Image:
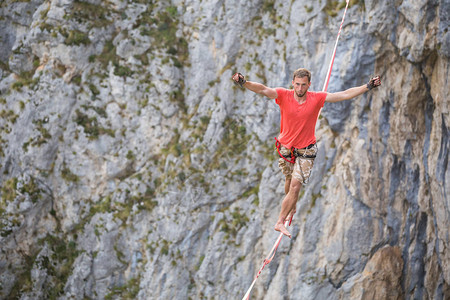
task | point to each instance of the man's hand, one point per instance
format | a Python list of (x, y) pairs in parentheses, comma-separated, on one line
[(374, 82), (239, 79)]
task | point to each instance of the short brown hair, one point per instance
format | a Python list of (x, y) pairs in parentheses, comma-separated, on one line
[(299, 73)]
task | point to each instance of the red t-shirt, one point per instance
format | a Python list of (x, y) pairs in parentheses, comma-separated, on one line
[(298, 121)]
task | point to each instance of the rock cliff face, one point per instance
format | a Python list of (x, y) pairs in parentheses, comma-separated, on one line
[(132, 168)]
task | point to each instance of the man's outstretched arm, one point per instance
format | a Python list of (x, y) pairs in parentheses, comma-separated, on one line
[(353, 92), (255, 87)]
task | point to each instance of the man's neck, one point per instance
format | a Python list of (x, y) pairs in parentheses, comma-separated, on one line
[(300, 100)]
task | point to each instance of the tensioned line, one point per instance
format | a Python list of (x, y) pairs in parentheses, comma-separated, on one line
[(272, 252)]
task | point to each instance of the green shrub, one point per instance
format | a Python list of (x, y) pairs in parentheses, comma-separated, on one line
[(67, 174), (91, 127), (76, 37)]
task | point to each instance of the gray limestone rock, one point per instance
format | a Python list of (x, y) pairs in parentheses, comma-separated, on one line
[(131, 167)]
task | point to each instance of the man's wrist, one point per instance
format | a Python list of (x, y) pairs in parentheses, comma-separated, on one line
[(242, 80), (373, 82), (239, 79)]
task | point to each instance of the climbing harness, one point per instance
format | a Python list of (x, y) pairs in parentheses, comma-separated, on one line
[(294, 152), (325, 87)]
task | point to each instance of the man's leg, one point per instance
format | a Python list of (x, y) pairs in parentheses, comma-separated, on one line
[(288, 206), (287, 184)]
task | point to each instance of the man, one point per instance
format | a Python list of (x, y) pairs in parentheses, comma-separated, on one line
[(296, 143)]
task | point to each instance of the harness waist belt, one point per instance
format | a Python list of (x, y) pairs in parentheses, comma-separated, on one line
[(296, 153), (308, 147)]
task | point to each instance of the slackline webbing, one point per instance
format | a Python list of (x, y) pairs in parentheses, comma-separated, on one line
[(327, 80), (267, 260), (277, 242)]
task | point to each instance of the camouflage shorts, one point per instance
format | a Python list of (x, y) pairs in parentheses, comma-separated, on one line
[(301, 169)]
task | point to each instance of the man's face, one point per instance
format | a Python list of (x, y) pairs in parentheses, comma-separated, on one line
[(301, 86)]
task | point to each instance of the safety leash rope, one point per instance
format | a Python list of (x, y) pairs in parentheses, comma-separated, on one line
[(278, 145), (277, 242), (268, 259)]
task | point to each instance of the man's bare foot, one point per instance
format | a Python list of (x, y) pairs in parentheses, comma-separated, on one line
[(280, 227)]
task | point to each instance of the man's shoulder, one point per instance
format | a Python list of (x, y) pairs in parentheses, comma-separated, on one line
[(316, 94), (317, 97), (282, 94), (282, 91)]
